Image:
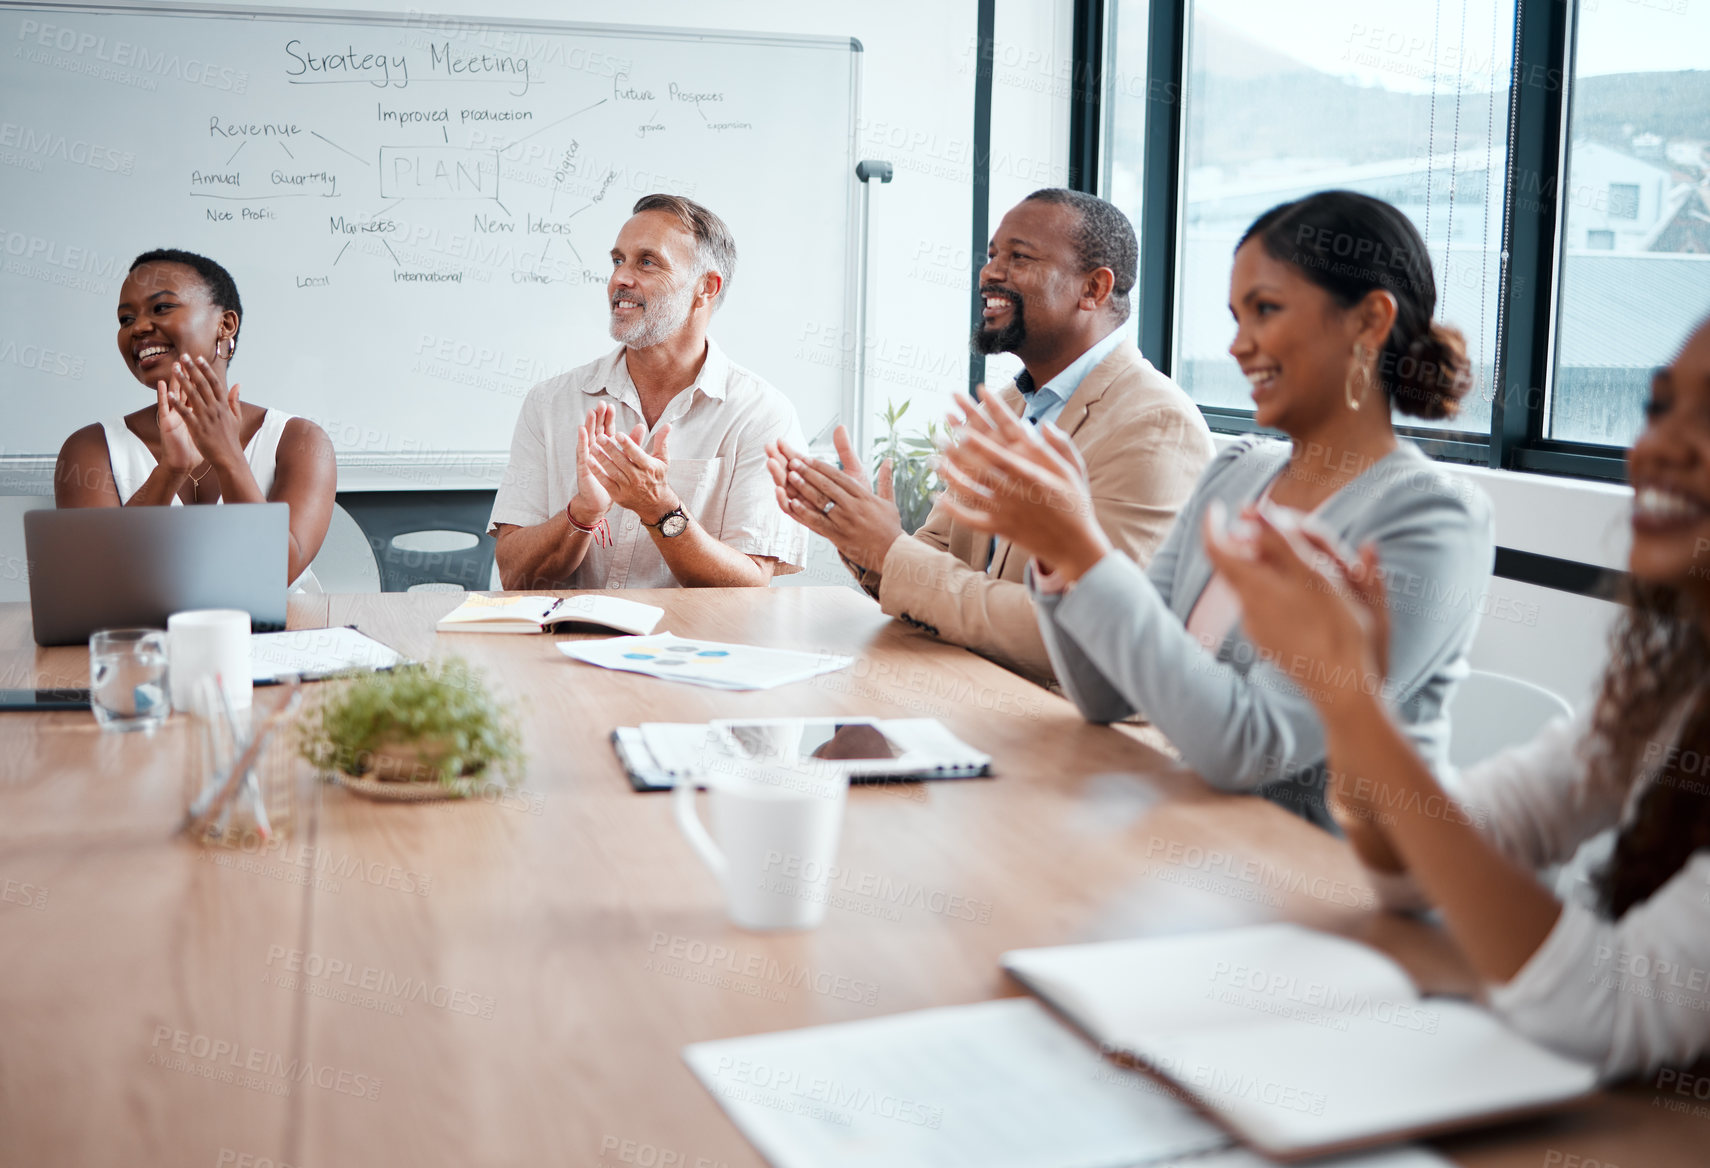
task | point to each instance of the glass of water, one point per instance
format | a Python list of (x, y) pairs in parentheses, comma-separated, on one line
[(127, 678)]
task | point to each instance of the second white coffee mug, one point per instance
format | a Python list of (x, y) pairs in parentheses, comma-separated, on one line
[(773, 840)]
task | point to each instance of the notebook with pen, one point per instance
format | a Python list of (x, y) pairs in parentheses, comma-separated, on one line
[(538, 614), (656, 755)]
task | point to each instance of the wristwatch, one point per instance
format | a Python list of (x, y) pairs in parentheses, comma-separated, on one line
[(671, 524)]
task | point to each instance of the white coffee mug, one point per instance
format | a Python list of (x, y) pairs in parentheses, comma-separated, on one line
[(209, 643), (773, 840)]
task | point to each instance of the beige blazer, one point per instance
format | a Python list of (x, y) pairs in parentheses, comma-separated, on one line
[(1145, 444)]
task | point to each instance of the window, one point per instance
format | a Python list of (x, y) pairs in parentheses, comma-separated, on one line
[(1404, 102), (1125, 94), (1554, 154), (1635, 262)]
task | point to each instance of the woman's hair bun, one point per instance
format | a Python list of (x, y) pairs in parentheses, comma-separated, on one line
[(1427, 375), (1352, 245)]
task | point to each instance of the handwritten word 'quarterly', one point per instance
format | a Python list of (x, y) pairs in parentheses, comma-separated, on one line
[(374, 68)]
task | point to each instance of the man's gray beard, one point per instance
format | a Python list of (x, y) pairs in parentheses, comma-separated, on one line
[(659, 321)]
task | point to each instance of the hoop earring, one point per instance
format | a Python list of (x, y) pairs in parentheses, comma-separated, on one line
[(1348, 393)]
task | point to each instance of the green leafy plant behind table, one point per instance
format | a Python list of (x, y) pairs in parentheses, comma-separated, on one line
[(914, 477), (418, 723)]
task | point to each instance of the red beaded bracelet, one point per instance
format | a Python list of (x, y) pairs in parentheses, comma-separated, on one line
[(600, 531)]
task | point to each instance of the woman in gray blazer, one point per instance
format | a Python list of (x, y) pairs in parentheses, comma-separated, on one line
[(1332, 297)]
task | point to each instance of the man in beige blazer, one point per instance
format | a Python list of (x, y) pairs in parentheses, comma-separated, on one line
[(1056, 288)]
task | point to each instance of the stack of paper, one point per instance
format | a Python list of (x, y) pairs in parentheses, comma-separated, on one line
[(315, 653), (992, 1085), (708, 663)]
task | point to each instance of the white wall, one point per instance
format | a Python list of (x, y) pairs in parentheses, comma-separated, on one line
[(1030, 117), (14, 569), (1555, 639)]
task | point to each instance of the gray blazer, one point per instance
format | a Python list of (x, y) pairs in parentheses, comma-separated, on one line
[(1119, 642)]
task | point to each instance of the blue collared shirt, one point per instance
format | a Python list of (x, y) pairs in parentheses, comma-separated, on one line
[(1046, 403)]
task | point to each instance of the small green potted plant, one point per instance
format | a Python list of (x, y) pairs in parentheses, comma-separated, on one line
[(915, 484), (431, 730)]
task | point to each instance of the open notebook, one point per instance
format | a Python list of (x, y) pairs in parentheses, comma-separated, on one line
[(537, 614), (1300, 1042), (990, 1085)]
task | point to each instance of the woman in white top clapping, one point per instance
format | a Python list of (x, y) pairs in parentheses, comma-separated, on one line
[(179, 318), (1617, 971)]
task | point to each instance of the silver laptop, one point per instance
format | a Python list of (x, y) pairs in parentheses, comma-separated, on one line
[(115, 567)]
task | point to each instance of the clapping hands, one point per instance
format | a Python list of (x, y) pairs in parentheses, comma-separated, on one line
[(199, 418), (859, 517), (1031, 488), (613, 467)]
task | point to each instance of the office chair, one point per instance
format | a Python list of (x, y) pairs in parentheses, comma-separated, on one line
[(1492, 711), (384, 516)]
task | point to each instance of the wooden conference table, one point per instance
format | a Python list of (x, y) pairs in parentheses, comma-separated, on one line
[(510, 981)]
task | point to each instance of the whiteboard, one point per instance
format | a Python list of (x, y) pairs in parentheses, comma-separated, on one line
[(418, 211)]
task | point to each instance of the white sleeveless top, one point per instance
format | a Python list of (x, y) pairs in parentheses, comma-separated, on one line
[(132, 464)]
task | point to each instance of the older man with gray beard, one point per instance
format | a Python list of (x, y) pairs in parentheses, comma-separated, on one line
[(595, 496)]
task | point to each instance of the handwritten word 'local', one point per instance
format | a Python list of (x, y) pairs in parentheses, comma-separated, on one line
[(382, 70)]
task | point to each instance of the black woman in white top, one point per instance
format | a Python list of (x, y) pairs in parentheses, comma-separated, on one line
[(1616, 970), (200, 442)]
